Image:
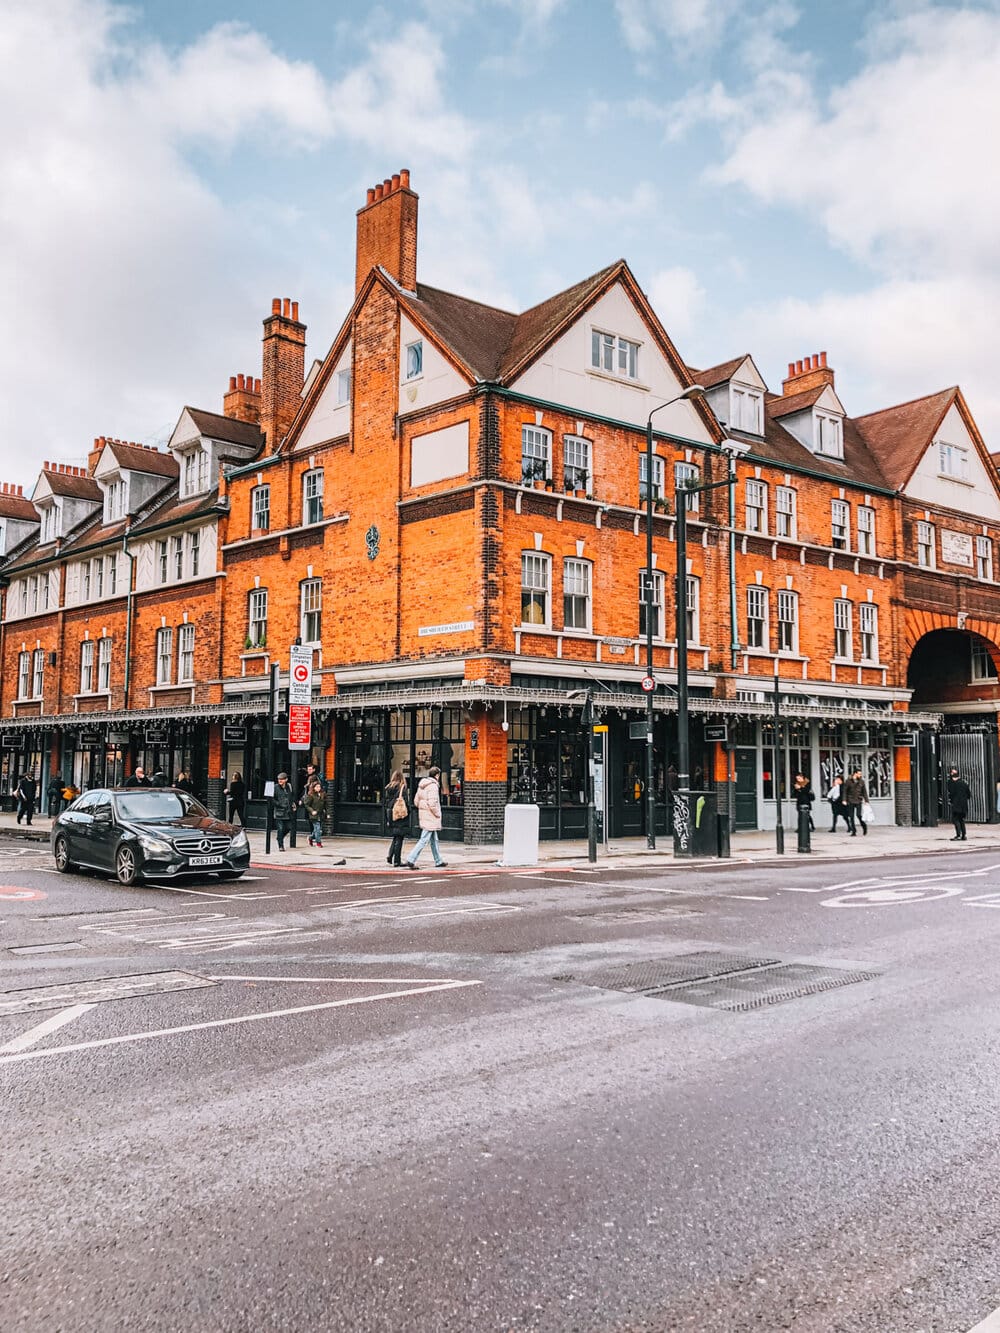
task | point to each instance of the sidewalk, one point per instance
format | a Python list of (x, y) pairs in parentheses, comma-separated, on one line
[(368, 854)]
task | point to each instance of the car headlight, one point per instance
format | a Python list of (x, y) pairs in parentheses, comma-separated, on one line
[(155, 846), (239, 842)]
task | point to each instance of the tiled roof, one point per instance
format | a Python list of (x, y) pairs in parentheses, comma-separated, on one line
[(794, 402), (143, 458), (859, 465), (219, 427), (899, 435), (72, 485), (536, 326), (708, 379), (17, 506), (173, 509)]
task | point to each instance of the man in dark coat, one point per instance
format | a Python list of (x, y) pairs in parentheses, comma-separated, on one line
[(26, 793), (854, 793), (959, 796), (285, 806), (138, 779)]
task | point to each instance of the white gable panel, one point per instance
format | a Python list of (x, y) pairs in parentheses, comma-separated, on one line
[(563, 373), (978, 495), (329, 420), (184, 432), (747, 373), (438, 380), (440, 454)]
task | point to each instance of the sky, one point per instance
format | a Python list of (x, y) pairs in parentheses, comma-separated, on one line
[(783, 178)]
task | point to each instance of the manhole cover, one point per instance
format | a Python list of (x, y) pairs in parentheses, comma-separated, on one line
[(651, 975), (743, 992)]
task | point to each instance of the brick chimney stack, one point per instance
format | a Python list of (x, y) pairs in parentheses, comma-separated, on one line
[(283, 370), (387, 232), (809, 373), (242, 402)]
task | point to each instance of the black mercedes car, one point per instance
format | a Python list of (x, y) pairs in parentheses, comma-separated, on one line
[(147, 833)]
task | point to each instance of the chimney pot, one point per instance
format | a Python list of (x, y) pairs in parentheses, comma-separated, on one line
[(288, 309), (276, 306), (256, 386), (241, 381), (371, 196), (404, 178), (378, 193), (798, 367), (232, 383), (791, 369), (395, 181), (295, 311), (822, 359)]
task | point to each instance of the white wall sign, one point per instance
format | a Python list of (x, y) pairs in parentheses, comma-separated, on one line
[(956, 547), (456, 627)]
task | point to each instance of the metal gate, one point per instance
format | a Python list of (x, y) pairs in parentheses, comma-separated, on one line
[(974, 754)]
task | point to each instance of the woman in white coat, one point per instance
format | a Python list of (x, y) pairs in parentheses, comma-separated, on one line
[(428, 803)]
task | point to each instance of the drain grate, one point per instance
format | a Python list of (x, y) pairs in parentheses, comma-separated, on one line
[(735, 983), (644, 977)]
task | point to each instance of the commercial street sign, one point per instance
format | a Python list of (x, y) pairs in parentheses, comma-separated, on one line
[(299, 726)]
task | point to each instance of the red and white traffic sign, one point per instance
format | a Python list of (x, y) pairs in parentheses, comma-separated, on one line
[(300, 674), (648, 684), (299, 726)]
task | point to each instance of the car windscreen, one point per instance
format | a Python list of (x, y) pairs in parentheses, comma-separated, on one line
[(150, 806)]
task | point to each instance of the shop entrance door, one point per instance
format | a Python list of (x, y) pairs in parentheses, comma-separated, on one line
[(745, 814)]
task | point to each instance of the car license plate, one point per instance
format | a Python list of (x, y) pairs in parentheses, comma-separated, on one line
[(205, 860)]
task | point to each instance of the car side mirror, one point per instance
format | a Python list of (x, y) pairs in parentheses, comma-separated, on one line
[(102, 816)]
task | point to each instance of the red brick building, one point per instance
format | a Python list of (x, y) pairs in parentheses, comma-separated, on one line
[(450, 508)]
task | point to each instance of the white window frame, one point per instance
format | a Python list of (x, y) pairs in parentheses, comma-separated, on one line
[(23, 675), (536, 583), (536, 454), (829, 435), (788, 621), (343, 387), (756, 506), (194, 551), (953, 461), (981, 664), (313, 486), (865, 530), (868, 631), (177, 554), (50, 523), (98, 564), (164, 655), (38, 673), (185, 654), (984, 559), (758, 613), (86, 580), (104, 648), (693, 609), (658, 471), (785, 512), (311, 610), (655, 583), (577, 583), (260, 508), (840, 518), (577, 463), (746, 409), (685, 472), (163, 560), (257, 617), (87, 666), (189, 473), (926, 545), (414, 359), (843, 630), (115, 500), (113, 574), (612, 354)]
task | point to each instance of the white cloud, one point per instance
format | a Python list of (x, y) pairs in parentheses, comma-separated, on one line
[(678, 299), (644, 23)]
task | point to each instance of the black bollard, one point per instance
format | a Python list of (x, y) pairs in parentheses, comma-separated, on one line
[(804, 844)]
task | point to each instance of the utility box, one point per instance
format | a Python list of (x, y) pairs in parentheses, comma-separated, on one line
[(696, 828), (520, 835)]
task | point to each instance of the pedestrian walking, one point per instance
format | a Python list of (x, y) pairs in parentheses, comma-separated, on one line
[(804, 797), (27, 792), (54, 792), (837, 808), (237, 793), (398, 805), (959, 796), (138, 779), (314, 803), (284, 804), (854, 796), (428, 803)]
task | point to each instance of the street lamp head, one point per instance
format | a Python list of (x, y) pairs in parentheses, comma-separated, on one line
[(736, 448), (693, 391)]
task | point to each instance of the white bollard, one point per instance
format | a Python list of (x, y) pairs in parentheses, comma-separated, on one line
[(520, 835)]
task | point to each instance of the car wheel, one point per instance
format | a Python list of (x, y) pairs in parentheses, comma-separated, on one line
[(127, 864), (230, 874), (61, 853)]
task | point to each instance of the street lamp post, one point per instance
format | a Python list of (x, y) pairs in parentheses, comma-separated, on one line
[(692, 391), (681, 495)]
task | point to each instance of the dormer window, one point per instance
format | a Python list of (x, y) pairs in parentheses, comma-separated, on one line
[(829, 435), (614, 355), (746, 409), (194, 472), (51, 525), (115, 500)]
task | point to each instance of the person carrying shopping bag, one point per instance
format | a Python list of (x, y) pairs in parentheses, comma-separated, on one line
[(428, 803), (397, 813)]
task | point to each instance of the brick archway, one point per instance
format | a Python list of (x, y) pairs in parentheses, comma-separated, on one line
[(918, 624)]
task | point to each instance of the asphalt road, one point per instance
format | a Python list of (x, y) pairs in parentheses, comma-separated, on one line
[(369, 1102)]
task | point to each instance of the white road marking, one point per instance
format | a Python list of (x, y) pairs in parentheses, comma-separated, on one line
[(202, 893), (991, 1324), (52, 1024), (456, 911), (740, 897), (894, 896), (340, 981), (785, 888), (231, 1022)]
